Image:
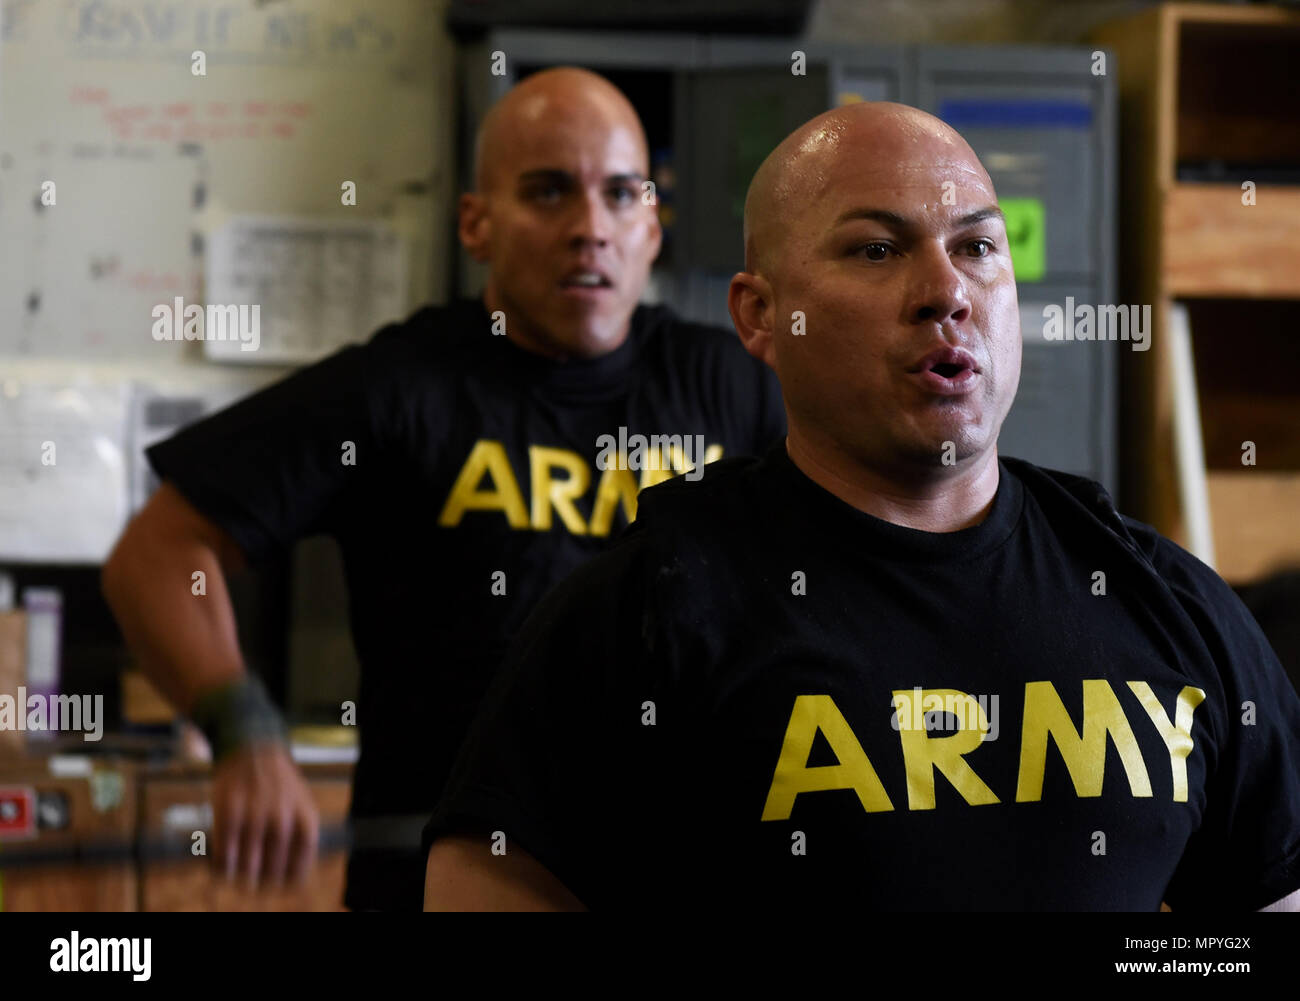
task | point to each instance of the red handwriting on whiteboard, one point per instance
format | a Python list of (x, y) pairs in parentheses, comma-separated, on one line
[(190, 121)]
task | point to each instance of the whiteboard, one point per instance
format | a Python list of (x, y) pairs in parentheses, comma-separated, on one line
[(149, 160)]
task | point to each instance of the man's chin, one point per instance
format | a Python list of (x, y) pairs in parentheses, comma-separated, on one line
[(944, 444), (582, 344), (595, 343), (591, 336), (960, 443)]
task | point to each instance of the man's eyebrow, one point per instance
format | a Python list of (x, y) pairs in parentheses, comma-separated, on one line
[(554, 174), (896, 221), (990, 212), (545, 174), (879, 215)]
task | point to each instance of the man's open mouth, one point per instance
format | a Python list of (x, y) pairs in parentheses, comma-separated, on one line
[(586, 279), (948, 362), (948, 371)]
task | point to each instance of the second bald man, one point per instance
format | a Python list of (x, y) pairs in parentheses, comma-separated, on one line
[(482, 476)]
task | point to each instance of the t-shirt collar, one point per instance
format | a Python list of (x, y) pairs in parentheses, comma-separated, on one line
[(585, 378), (857, 531)]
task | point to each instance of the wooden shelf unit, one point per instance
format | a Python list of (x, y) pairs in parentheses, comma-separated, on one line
[(1201, 83)]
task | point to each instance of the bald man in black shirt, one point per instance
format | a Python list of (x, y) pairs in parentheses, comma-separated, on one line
[(463, 461), (882, 666)]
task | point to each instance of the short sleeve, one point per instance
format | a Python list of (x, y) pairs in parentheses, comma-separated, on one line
[(272, 467), (557, 758), (1246, 854)]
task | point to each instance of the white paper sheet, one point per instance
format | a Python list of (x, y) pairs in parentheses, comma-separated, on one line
[(319, 284)]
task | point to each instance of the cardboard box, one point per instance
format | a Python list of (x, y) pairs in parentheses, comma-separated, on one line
[(13, 674)]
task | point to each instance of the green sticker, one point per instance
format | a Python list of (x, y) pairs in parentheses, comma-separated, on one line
[(1026, 222)]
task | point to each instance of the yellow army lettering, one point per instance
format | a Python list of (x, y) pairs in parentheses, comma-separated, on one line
[(924, 754), (552, 495)]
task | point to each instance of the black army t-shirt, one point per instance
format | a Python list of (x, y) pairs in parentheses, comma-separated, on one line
[(460, 476), (762, 697)]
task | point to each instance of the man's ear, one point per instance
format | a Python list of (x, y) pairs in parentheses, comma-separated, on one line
[(753, 312), (474, 226)]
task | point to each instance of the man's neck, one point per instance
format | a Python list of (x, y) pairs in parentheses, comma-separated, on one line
[(516, 332), (929, 503), (527, 339)]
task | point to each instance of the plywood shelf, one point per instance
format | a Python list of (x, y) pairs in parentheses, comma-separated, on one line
[(1216, 246), (1256, 519)]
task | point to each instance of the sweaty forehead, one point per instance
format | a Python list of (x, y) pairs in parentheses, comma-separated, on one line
[(903, 151), (914, 182)]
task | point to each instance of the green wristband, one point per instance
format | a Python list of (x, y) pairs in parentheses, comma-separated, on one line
[(238, 714)]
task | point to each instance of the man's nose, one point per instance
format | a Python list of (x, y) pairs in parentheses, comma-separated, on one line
[(939, 291), (592, 221)]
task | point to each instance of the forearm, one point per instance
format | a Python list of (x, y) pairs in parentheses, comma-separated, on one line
[(462, 874), (185, 643)]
